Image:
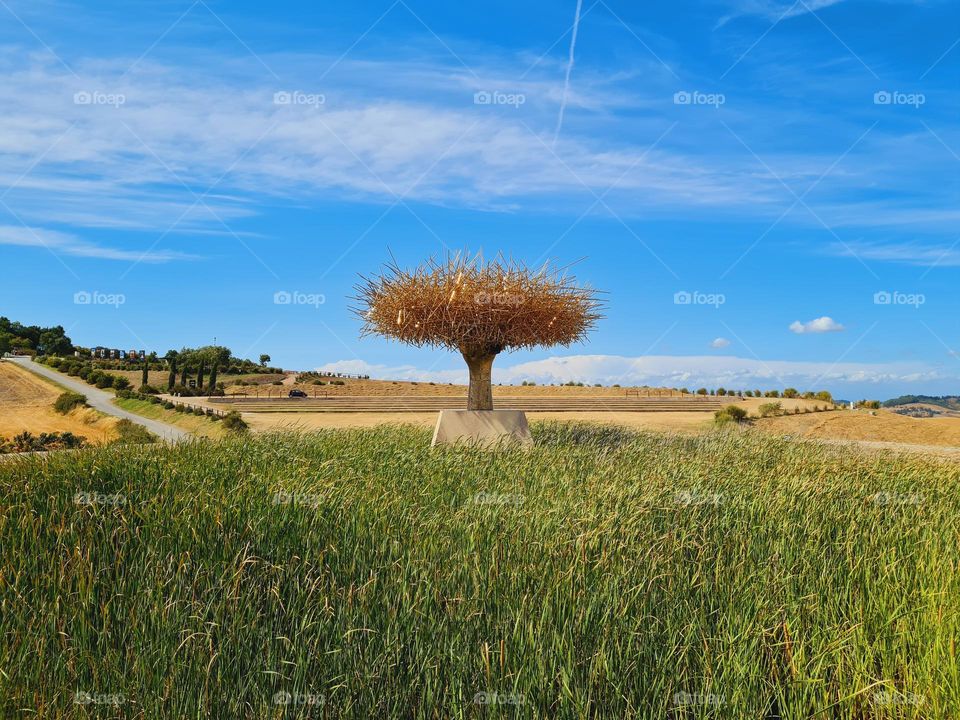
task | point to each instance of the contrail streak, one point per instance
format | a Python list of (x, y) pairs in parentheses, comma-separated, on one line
[(566, 80)]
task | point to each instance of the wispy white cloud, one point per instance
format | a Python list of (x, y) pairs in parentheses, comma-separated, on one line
[(177, 128), (68, 244), (398, 127), (142, 163), (569, 69), (720, 343), (903, 253), (776, 9), (823, 324), (779, 10)]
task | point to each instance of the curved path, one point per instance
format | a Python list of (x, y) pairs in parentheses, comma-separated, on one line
[(101, 400)]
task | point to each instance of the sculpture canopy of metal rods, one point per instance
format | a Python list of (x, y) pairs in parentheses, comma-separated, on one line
[(477, 308)]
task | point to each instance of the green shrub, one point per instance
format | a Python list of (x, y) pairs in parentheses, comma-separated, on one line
[(68, 401), (28, 442), (148, 390), (731, 413), (234, 422), (199, 411), (130, 433), (120, 383), (104, 381), (770, 409), (168, 405)]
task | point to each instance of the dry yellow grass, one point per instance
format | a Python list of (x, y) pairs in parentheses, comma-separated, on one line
[(26, 404), (885, 430), (392, 388), (684, 422), (885, 426)]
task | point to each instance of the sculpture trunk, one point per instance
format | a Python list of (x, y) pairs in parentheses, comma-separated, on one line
[(480, 396)]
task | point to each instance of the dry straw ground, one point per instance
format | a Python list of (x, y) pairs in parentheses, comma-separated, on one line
[(26, 403)]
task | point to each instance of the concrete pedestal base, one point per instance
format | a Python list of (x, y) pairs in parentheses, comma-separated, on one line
[(482, 427)]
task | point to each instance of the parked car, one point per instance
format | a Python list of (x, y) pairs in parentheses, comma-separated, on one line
[(297, 393)]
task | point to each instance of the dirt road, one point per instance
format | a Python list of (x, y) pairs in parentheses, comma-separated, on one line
[(101, 400)]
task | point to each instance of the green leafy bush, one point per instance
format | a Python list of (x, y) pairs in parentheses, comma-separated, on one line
[(730, 414), (68, 401), (234, 422), (770, 409), (130, 433), (28, 442)]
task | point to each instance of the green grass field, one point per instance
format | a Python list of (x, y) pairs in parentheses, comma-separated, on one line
[(361, 574)]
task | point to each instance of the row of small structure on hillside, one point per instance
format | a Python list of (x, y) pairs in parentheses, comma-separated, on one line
[(114, 354)]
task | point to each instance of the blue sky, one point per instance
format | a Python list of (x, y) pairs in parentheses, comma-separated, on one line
[(766, 190)]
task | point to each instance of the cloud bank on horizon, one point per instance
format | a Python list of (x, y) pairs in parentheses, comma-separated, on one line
[(673, 371)]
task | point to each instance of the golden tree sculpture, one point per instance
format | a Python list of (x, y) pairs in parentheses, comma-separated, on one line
[(477, 308)]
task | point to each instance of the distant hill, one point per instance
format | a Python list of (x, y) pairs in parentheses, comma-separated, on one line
[(950, 402)]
